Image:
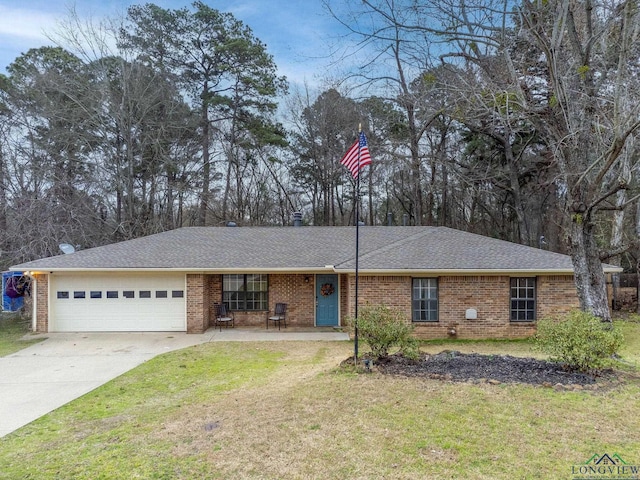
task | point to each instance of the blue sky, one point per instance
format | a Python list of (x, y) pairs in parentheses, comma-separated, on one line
[(297, 32)]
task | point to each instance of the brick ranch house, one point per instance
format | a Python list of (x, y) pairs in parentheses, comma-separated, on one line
[(443, 279)]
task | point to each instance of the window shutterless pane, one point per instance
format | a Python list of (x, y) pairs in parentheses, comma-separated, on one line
[(144, 294), (129, 294), (177, 294), (425, 300), (233, 282), (523, 293), (245, 292), (112, 294), (256, 283), (95, 294), (161, 294), (78, 294), (63, 295)]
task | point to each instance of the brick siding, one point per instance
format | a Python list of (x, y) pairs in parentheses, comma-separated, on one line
[(489, 295), (283, 288), (556, 294), (198, 300), (42, 302)]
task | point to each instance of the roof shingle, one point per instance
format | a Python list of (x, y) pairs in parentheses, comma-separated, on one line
[(434, 249)]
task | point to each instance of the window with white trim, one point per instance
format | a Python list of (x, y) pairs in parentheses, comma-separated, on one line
[(523, 299), (245, 291), (424, 300)]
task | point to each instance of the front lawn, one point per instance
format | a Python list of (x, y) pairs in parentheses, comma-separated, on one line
[(285, 410), (13, 327)]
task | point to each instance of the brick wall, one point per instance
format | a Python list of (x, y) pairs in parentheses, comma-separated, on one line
[(42, 302), (197, 303), (345, 297), (393, 291), (488, 295), (283, 288), (298, 294), (557, 294)]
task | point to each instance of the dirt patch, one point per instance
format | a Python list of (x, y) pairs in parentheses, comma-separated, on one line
[(473, 367)]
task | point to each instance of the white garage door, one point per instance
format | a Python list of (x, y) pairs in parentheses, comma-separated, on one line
[(117, 303)]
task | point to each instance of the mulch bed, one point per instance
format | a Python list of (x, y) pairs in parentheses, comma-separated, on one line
[(495, 369)]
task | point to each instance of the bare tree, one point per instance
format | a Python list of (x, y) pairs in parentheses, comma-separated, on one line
[(326, 129), (569, 68), (394, 64)]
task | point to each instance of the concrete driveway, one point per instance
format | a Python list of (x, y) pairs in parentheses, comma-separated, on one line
[(65, 366)]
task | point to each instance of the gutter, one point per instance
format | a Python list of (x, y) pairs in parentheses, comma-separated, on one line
[(318, 269)]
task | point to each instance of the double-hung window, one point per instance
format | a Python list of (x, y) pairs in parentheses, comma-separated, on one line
[(245, 292), (523, 299), (424, 300)]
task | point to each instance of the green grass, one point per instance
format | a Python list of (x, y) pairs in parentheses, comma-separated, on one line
[(284, 410), (630, 351), (12, 328)]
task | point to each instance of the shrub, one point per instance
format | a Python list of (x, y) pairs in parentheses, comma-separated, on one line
[(579, 339), (382, 328)]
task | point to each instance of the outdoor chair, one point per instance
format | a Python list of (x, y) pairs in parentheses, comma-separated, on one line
[(223, 317), (279, 315)]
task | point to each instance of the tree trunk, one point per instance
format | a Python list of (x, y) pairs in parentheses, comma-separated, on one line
[(617, 229), (3, 199), (589, 278), (206, 166)]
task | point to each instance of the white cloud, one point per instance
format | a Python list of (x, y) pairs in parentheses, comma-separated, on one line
[(25, 24), (22, 29)]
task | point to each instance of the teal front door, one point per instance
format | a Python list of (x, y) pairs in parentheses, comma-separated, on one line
[(327, 300)]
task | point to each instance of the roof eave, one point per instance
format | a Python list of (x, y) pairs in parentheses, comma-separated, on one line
[(459, 271), (298, 270), (323, 269)]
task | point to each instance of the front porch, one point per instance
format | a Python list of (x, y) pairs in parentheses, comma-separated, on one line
[(306, 304), (256, 334)]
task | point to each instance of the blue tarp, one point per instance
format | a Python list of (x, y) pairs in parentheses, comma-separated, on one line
[(10, 304)]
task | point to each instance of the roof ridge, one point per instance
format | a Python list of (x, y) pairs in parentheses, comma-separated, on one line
[(388, 246)]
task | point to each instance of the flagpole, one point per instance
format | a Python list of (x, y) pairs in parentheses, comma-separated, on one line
[(357, 199), (356, 157)]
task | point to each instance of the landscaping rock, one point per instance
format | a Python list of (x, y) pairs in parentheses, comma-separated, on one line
[(473, 367)]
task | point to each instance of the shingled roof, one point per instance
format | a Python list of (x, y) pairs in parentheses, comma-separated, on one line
[(311, 249)]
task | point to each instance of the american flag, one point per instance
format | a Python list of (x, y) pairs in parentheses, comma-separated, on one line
[(357, 156)]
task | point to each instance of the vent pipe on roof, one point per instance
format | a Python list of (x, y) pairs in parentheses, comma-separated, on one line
[(389, 219), (297, 219), (405, 219)]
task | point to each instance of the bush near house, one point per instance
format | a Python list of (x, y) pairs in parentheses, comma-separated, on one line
[(383, 328), (579, 339)]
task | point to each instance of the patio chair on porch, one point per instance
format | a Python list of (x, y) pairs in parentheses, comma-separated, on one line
[(222, 316), (279, 315)]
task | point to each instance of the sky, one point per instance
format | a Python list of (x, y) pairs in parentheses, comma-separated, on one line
[(297, 32)]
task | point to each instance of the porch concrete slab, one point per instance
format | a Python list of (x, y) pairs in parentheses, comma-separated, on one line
[(262, 335), (65, 366)]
